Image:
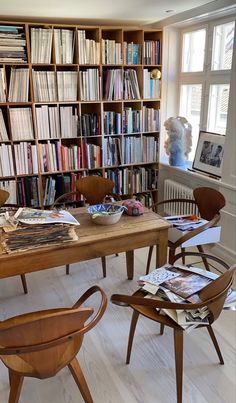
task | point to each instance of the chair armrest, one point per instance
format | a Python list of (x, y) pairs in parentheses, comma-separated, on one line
[(101, 309), (126, 300)]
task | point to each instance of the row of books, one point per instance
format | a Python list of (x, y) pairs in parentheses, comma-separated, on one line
[(152, 52), (26, 158), (23, 191), (19, 85), (151, 86), (57, 157), (89, 85), (129, 150), (132, 53), (21, 123), (12, 44), (55, 86), (64, 40), (63, 122), (88, 49), (2, 86), (41, 45), (128, 181), (111, 52), (3, 130), (57, 122), (6, 160)]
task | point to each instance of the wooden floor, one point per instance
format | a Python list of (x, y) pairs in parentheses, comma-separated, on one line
[(150, 377)]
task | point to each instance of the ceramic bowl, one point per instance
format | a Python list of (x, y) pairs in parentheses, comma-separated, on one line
[(105, 214)]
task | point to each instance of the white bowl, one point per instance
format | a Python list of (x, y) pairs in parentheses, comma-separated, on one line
[(105, 214)]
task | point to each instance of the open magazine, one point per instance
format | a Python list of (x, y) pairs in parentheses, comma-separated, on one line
[(185, 222), (33, 216)]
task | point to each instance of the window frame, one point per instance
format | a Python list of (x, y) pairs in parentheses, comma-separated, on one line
[(206, 77)]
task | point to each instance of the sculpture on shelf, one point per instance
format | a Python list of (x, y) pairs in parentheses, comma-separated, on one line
[(179, 142)]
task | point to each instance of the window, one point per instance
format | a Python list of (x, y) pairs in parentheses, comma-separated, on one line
[(204, 78)]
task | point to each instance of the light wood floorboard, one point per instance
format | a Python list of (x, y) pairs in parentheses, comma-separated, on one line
[(150, 376)]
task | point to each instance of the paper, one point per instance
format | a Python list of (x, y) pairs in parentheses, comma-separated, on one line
[(34, 216), (158, 276)]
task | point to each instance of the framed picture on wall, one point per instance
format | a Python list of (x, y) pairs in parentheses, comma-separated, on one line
[(209, 153)]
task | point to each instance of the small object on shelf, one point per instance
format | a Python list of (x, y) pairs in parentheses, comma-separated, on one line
[(133, 207), (105, 214)]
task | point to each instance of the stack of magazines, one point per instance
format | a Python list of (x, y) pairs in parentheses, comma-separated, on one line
[(181, 284), (32, 228)]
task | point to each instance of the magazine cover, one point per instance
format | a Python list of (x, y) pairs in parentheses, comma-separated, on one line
[(187, 283), (34, 216)]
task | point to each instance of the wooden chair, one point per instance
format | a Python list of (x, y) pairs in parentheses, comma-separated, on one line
[(94, 189), (212, 296), (39, 344), (3, 198), (207, 201)]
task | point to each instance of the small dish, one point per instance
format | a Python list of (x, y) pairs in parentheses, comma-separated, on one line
[(105, 214)]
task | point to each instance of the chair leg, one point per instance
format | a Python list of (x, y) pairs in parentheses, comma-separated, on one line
[(133, 324), (16, 382), (183, 258), (215, 342), (23, 280), (79, 378), (104, 269), (207, 267), (149, 258), (178, 340), (67, 269), (171, 255), (162, 327)]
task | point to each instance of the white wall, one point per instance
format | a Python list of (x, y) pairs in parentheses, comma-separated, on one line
[(227, 184)]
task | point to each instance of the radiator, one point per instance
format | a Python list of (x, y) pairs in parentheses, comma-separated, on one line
[(175, 190)]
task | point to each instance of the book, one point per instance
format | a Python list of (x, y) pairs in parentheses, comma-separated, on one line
[(34, 216)]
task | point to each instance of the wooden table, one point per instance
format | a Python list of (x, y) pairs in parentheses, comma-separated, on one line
[(94, 241)]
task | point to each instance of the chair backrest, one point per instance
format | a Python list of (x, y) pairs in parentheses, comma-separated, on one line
[(3, 196), (44, 341), (95, 188), (209, 201), (218, 287), (217, 290)]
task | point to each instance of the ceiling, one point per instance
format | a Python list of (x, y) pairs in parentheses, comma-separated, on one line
[(130, 12)]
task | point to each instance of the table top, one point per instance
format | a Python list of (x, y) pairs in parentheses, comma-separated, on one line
[(94, 241), (89, 232)]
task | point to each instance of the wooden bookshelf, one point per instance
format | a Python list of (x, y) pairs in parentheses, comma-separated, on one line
[(74, 101)]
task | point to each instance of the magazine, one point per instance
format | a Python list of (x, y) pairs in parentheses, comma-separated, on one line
[(185, 222), (186, 283), (33, 216), (158, 276)]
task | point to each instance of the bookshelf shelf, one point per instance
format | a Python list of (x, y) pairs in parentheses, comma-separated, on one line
[(78, 100)]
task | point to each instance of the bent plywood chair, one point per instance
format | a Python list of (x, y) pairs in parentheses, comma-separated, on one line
[(39, 344), (208, 202), (212, 297)]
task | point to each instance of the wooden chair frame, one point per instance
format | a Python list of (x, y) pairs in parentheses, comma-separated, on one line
[(39, 344), (94, 189), (212, 296), (208, 202)]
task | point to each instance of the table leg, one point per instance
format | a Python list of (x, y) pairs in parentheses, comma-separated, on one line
[(130, 264), (161, 249)]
